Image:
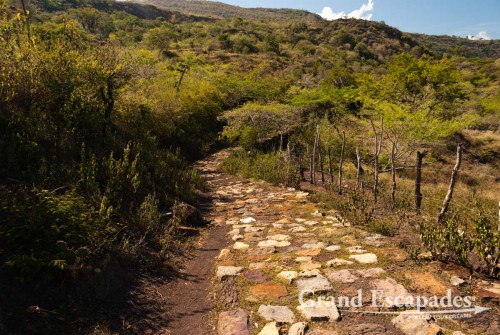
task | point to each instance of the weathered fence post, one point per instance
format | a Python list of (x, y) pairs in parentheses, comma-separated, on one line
[(321, 165), (330, 166), (358, 166), (418, 180), (451, 188), (393, 175), (378, 148), (341, 161)]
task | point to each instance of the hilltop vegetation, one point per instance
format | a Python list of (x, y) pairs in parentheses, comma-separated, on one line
[(104, 105)]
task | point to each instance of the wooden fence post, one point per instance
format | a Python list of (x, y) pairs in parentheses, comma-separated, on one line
[(358, 166), (451, 188), (341, 161), (330, 166), (418, 180), (321, 165), (378, 148), (393, 175)]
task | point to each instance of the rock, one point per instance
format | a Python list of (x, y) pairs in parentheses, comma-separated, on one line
[(288, 276), (388, 290), (323, 332), (428, 282), (456, 281), (311, 223), (240, 246), (252, 229), (303, 259), (364, 258), (305, 266), (488, 291), (298, 328), (277, 225), (255, 276), (343, 276), (425, 256), (270, 329), (367, 329), (268, 291), (237, 237), (333, 248), (282, 221), (192, 217), (320, 311), (317, 213), (301, 195), (319, 245), (234, 232), (227, 271), (279, 237), (313, 285), (370, 273), (224, 253), (308, 252), (233, 323), (357, 249), (309, 273), (248, 220), (297, 229), (338, 262), (276, 313), (457, 333), (416, 324), (273, 243)]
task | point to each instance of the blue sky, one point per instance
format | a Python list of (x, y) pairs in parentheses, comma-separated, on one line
[(479, 18)]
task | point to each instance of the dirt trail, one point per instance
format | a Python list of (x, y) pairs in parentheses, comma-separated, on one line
[(267, 244)]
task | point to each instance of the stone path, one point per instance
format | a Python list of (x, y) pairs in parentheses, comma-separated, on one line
[(282, 245)]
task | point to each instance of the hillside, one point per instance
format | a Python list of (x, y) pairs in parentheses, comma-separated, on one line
[(434, 44), (222, 10)]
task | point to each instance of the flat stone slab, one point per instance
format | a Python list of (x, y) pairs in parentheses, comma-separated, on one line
[(416, 324), (311, 223), (298, 328), (268, 291), (320, 311), (313, 285), (276, 313), (305, 266), (310, 273), (237, 237), (256, 276), (367, 329), (308, 252), (357, 249), (338, 262), (228, 271), (233, 323), (273, 243), (248, 220), (343, 276), (389, 289), (270, 329), (288, 276), (297, 229), (364, 258), (333, 248), (319, 245), (280, 237), (303, 259)]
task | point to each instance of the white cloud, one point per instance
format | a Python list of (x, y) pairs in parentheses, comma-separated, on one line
[(364, 12), (482, 35)]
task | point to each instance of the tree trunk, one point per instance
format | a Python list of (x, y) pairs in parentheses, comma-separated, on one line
[(418, 180), (313, 161), (341, 161), (281, 142), (451, 188)]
